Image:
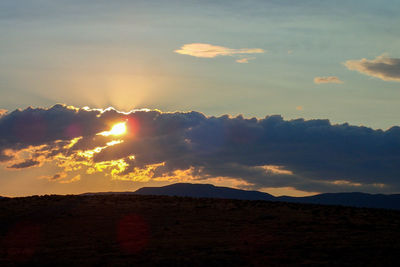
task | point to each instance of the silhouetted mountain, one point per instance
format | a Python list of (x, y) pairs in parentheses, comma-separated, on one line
[(354, 199), (203, 190), (210, 191)]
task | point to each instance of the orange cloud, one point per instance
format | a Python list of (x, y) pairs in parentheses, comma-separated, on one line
[(55, 177), (203, 50), (382, 67), (60, 177), (329, 79), (74, 179), (274, 169), (244, 60)]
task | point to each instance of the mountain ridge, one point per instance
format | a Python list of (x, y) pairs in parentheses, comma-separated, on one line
[(350, 199), (203, 190)]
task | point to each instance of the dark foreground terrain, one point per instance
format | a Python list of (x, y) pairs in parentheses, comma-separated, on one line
[(109, 230)]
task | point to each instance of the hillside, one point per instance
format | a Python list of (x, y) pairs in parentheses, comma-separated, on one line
[(203, 190), (354, 199), (160, 230), (207, 190)]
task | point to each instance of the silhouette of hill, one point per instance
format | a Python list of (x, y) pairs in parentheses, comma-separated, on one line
[(203, 191), (354, 199)]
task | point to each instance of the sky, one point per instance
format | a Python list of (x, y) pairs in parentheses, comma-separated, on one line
[(287, 97)]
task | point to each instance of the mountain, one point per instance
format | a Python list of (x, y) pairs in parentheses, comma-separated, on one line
[(354, 199), (203, 191)]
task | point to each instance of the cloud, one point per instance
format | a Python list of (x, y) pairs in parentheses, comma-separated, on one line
[(203, 50), (382, 67), (72, 180), (308, 155), (25, 164), (244, 60), (22, 128), (55, 177), (5, 157), (60, 177), (2, 112), (328, 79)]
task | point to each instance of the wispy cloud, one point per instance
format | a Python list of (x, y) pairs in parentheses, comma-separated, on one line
[(72, 180), (203, 50), (244, 60), (61, 178), (328, 79), (55, 177), (382, 67)]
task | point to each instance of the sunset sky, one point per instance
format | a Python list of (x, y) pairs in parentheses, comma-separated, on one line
[(282, 96)]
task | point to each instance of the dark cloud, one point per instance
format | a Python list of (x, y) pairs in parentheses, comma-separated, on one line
[(4, 157), (56, 176), (60, 177), (37, 126), (310, 155), (382, 67), (25, 164)]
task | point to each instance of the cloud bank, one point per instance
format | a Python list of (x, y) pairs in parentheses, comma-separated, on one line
[(382, 67), (203, 50), (309, 155), (329, 79)]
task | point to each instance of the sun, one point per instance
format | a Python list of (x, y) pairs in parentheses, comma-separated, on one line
[(117, 129)]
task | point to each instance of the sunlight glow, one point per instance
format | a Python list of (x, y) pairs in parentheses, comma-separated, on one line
[(117, 129), (115, 142)]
